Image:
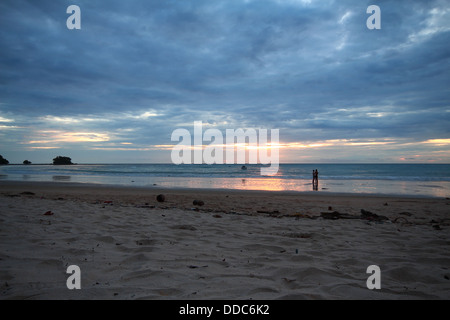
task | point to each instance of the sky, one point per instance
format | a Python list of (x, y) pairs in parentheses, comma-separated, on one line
[(115, 90)]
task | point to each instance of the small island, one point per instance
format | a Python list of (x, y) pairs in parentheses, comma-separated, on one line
[(62, 161), (3, 161)]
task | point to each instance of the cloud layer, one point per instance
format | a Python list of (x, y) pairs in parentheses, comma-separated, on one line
[(137, 70)]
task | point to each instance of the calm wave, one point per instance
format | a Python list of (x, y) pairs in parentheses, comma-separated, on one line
[(413, 179)]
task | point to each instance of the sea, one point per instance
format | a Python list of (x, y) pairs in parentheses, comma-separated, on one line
[(423, 180)]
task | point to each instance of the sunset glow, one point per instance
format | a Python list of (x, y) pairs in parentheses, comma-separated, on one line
[(117, 88)]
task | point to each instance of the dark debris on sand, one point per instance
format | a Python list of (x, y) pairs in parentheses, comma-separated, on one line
[(365, 215)]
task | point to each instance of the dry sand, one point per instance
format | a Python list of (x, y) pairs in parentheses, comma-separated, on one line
[(239, 245)]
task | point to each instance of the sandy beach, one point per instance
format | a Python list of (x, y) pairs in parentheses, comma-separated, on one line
[(237, 245)]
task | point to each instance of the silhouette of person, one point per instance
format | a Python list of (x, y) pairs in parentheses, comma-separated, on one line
[(315, 180)]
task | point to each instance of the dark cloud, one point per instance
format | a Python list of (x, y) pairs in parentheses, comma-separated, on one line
[(293, 65)]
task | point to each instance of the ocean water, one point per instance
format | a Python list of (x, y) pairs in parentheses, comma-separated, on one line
[(432, 180)]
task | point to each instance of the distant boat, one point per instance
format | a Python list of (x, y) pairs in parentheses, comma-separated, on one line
[(244, 168)]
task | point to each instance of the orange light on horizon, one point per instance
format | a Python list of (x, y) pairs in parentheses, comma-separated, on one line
[(53, 139), (289, 145), (44, 148), (438, 142), (60, 136)]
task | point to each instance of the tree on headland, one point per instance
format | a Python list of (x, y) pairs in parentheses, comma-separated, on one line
[(62, 160), (3, 160), (27, 162)]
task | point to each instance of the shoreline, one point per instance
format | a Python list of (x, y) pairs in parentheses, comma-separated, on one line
[(429, 181), (237, 245), (5, 184), (225, 200)]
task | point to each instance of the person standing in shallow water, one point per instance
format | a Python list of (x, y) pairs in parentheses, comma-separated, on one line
[(315, 180)]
